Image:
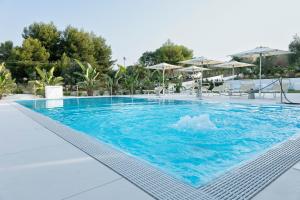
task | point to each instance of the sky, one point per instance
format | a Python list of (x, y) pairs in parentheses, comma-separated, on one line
[(211, 28)]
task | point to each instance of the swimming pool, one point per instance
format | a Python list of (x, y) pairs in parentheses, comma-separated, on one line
[(192, 141)]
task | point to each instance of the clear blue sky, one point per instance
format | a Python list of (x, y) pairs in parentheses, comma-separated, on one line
[(212, 28)]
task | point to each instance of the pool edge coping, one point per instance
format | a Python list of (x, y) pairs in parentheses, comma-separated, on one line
[(152, 180)]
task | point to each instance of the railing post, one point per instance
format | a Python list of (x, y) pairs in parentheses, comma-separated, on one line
[(281, 90)]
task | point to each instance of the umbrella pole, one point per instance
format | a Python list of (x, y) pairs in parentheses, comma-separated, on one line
[(163, 81), (200, 89), (193, 89), (260, 58), (280, 82), (200, 86)]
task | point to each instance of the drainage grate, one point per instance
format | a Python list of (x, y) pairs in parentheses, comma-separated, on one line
[(240, 183), (245, 181)]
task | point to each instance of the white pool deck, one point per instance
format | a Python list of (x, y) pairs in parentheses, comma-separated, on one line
[(37, 164)]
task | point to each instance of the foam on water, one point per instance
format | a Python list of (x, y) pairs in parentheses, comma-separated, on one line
[(199, 122)]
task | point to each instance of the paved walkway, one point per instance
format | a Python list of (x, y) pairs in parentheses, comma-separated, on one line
[(286, 187), (37, 164)]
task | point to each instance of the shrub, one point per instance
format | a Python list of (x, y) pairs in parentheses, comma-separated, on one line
[(47, 78), (7, 84)]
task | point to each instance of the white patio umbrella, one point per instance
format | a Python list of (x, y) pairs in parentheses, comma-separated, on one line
[(200, 61), (193, 69), (163, 67), (232, 65), (260, 52)]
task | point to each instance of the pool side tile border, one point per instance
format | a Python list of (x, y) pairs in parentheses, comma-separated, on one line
[(242, 182)]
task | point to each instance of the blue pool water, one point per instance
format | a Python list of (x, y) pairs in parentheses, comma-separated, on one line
[(192, 141)]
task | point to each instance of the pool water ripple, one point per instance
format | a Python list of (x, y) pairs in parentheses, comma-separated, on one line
[(192, 141)]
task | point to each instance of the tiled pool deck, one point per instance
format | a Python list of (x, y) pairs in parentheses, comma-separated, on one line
[(37, 164)]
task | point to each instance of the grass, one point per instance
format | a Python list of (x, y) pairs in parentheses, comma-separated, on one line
[(294, 91)]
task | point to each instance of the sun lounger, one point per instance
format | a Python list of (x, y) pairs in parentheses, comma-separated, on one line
[(205, 89), (158, 90), (225, 88), (171, 88), (148, 91), (246, 88), (189, 87), (219, 89)]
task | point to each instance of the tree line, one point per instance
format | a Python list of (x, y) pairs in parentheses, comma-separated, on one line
[(45, 47), (47, 52)]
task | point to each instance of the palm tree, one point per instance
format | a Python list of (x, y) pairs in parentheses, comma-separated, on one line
[(178, 83), (131, 78), (128, 78), (134, 77), (131, 82), (7, 84), (110, 83), (148, 80), (118, 77), (90, 77), (113, 80), (47, 78), (120, 73)]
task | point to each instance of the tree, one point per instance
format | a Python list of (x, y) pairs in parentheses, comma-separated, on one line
[(67, 68), (169, 52), (110, 83), (7, 84), (102, 54), (132, 77), (294, 46), (148, 58), (6, 49), (90, 77), (87, 47), (46, 46), (172, 53), (178, 83), (32, 50), (78, 45), (138, 77), (48, 35), (150, 79), (28, 56)]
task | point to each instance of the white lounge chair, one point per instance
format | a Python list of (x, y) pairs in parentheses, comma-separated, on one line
[(158, 90), (227, 88), (171, 88), (205, 89), (246, 88), (189, 86), (218, 89)]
